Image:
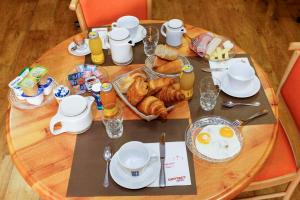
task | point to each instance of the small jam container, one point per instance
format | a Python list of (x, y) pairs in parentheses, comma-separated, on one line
[(48, 86), (61, 92), (37, 99)]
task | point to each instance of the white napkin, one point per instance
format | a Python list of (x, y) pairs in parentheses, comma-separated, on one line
[(103, 35), (176, 164), (225, 64)]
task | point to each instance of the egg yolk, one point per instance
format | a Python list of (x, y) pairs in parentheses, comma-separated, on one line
[(226, 132), (203, 138)]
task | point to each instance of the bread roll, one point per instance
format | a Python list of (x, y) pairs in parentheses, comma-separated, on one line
[(158, 61), (165, 52), (173, 67)]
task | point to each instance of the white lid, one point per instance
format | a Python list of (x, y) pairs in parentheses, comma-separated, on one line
[(96, 87), (118, 34), (72, 105), (175, 23)]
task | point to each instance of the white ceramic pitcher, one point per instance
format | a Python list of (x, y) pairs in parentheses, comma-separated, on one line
[(120, 45), (174, 32), (74, 114)]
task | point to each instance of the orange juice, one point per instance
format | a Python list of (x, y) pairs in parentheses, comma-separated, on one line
[(95, 45), (187, 79)]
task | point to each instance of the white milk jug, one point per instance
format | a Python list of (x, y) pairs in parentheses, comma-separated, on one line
[(74, 114), (120, 45), (174, 32)]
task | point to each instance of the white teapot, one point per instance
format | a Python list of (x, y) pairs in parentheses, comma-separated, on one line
[(74, 114), (120, 44), (174, 32)]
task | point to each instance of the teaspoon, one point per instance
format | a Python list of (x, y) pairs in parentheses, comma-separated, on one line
[(107, 156), (230, 104)]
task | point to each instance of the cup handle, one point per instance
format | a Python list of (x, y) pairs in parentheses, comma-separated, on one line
[(114, 25), (55, 120), (183, 30), (162, 31)]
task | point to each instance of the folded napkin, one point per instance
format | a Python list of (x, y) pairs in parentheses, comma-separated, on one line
[(218, 75), (176, 164), (102, 32)]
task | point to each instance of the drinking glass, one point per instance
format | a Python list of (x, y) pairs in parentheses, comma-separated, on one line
[(114, 124), (151, 39), (209, 92)]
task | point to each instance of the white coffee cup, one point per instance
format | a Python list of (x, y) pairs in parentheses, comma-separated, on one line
[(134, 156), (240, 75), (131, 23)]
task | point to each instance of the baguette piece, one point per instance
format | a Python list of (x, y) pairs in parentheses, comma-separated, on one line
[(173, 67), (165, 52)]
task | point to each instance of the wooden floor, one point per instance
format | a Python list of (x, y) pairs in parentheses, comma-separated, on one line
[(30, 27)]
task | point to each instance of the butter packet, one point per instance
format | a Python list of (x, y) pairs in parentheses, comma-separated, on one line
[(29, 86), (38, 72)]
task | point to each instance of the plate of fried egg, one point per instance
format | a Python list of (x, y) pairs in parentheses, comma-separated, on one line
[(214, 139)]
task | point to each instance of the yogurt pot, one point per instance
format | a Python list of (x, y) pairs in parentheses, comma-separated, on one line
[(37, 99), (16, 88), (48, 86), (61, 92)]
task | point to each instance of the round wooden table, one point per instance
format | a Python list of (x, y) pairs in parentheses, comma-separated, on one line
[(45, 160)]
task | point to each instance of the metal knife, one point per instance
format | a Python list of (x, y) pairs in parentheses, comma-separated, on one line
[(162, 150), (207, 69)]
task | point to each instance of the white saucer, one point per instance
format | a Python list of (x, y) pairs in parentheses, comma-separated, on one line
[(149, 175), (249, 91), (139, 34), (79, 52)]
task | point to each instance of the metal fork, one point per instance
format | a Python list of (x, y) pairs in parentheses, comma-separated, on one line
[(240, 122)]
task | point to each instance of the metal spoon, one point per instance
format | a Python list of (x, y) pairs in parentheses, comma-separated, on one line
[(107, 156), (230, 104)]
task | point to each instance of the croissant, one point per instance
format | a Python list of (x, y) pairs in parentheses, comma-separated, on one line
[(126, 82), (137, 91), (156, 85), (170, 96), (165, 52), (173, 67), (153, 106), (144, 106)]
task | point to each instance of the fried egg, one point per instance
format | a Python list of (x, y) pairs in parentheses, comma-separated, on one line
[(217, 142)]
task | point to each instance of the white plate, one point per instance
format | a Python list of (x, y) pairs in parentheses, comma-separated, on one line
[(208, 152), (149, 175), (249, 91), (79, 52), (139, 35)]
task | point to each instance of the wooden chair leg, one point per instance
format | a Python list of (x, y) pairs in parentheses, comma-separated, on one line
[(81, 19), (292, 186)]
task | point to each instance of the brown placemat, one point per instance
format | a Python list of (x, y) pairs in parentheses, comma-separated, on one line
[(241, 112), (139, 56), (88, 165)]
